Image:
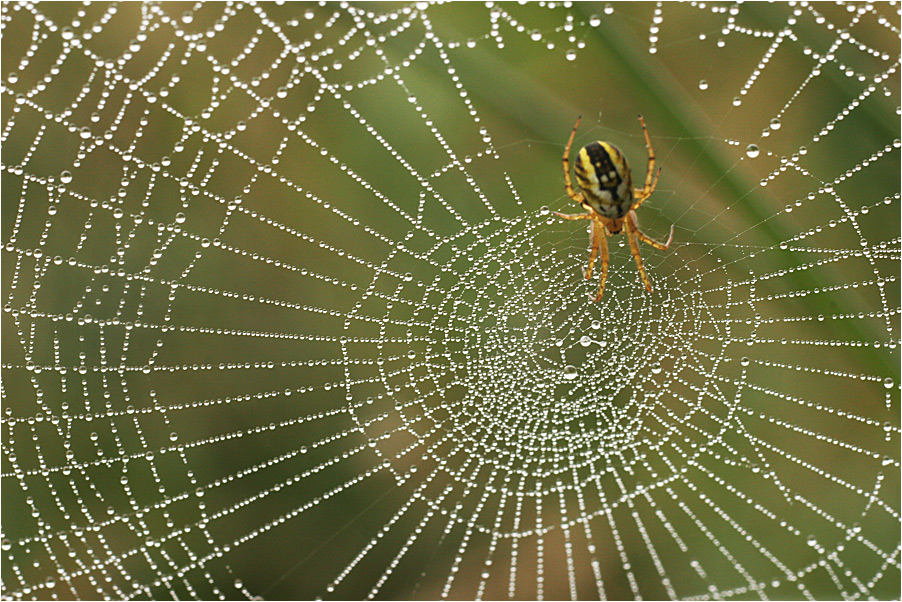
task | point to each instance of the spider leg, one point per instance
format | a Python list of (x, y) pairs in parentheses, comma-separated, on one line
[(642, 194), (603, 240), (651, 178), (629, 228), (568, 186), (651, 155), (661, 246), (573, 215), (594, 237)]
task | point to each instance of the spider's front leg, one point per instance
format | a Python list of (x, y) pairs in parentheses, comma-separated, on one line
[(603, 244), (630, 231), (661, 246), (594, 235)]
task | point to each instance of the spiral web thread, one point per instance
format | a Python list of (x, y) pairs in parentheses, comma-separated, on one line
[(282, 319)]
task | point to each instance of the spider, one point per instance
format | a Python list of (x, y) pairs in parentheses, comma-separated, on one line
[(610, 200)]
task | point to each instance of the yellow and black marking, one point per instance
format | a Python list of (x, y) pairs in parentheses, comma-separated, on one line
[(605, 179)]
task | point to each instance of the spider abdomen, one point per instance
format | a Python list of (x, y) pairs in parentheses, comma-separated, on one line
[(605, 179)]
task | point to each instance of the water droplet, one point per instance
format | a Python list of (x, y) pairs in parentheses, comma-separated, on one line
[(703, 84), (594, 21), (744, 361), (596, 324), (775, 124), (570, 55), (752, 151), (656, 368), (570, 372), (180, 218), (66, 177), (585, 340)]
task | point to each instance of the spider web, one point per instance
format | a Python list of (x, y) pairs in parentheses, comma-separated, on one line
[(286, 314)]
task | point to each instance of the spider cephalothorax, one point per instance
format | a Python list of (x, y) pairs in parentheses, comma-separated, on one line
[(610, 201)]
